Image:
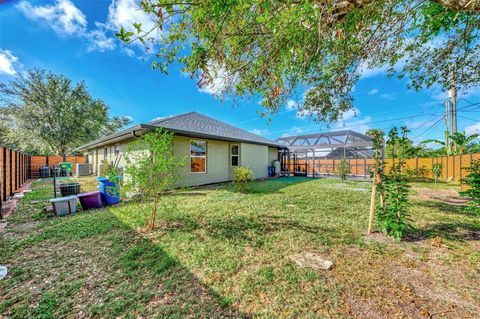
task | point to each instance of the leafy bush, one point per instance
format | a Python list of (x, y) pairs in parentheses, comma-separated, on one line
[(105, 167), (473, 180), (343, 169), (242, 176), (113, 174), (437, 171), (422, 171)]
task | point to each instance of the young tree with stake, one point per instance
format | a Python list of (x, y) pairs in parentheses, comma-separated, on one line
[(378, 140), (152, 169)]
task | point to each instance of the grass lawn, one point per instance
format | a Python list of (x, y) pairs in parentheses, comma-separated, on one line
[(220, 254)]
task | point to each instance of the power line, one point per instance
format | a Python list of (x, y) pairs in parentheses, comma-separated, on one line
[(362, 123), (429, 129)]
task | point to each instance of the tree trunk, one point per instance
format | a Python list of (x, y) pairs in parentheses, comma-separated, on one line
[(153, 216)]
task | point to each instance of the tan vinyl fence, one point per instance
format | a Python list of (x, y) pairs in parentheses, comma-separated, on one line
[(421, 167)]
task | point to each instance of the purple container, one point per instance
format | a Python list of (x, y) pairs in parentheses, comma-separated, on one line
[(90, 200)]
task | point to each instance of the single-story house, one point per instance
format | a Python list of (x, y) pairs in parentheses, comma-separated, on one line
[(214, 148)]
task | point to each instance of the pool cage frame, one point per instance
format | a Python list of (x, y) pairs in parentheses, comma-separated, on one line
[(319, 154)]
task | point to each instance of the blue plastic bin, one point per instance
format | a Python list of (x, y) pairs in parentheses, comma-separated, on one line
[(271, 170), (109, 194)]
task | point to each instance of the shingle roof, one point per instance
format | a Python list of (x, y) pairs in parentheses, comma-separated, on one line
[(203, 125), (196, 125)]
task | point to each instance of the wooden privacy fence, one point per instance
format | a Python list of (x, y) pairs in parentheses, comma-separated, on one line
[(17, 167), (453, 166), (37, 162), (14, 171)]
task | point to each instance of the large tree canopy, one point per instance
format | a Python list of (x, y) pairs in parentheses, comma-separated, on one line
[(42, 112), (272, 48)]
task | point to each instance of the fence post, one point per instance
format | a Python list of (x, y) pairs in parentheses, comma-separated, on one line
[(460, 167), (313, 167), (416, 165), (364, 168), (54, 182), (4, 193), (446, 165), (453, 165), (11, 179)]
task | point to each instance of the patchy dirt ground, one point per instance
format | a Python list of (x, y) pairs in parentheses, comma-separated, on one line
[(446, 196)]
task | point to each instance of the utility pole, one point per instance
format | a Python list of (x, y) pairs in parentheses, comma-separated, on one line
[(447, 125), (453, 97)]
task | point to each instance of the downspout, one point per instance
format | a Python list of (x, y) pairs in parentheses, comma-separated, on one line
[(134, 134)]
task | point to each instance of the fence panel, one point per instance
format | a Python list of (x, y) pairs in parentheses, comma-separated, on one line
[(453, 166)]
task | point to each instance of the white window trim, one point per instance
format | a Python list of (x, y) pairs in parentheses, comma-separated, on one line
[(198, 156), (232, 155)]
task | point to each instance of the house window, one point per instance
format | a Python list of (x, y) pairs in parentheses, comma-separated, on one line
[(117, 150), (234, 160), (105, 152), (198, 156)]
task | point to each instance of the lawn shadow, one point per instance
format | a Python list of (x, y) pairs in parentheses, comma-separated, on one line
[(456, 231), (270, 185), (118, 272), (245, 228), (444, 207)]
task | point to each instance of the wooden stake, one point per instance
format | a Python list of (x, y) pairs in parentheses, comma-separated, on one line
[(372, 203)]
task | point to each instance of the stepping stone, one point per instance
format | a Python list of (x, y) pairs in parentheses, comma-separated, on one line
[(311, 260)]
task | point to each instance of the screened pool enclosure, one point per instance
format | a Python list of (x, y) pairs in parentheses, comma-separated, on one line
[(319, 154)]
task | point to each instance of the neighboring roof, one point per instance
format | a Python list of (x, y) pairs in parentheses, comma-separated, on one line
[(189, 124), (330, 140)]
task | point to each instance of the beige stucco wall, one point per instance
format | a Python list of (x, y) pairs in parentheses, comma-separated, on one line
[(219, 168), (256, 157), (272, 155), (217, 161)]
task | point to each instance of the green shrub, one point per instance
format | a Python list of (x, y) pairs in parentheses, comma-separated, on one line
[(343, 169), (392, 218), (473, 180), (242, 176), (437, 171)]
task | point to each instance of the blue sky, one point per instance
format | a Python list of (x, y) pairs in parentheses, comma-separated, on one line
[(76, 38)]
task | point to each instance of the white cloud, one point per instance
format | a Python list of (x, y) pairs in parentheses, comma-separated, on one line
[(295, 130), (373, 91), (63, 16), (260, 132), (124, 13), (366, 72), (291, 104), (7, 62), (98, 39), (473, 129), (352, 113), (387, 96), (357, 125), (68, 20), (220, 80)]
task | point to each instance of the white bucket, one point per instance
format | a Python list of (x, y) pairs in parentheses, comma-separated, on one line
[(64, 205)]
